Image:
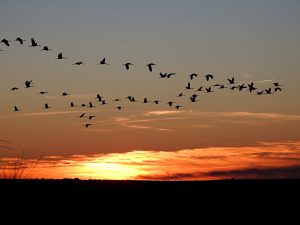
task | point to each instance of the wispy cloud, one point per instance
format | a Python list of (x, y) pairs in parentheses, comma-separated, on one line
[(52, 113), (162, 113), (265, 160)]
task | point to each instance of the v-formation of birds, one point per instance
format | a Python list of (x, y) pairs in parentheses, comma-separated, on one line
[(231, 84)]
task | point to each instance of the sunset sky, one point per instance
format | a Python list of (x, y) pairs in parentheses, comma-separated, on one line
[(223, 135)]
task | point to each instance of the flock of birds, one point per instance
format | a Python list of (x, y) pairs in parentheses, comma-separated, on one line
[(230, 84)]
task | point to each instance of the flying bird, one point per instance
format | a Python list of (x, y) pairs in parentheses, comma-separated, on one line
[(103, 62), (188, 87), (78, 63), (6, 42), (14, 89), (180, 95), (231, 81), (127, 65), (178, 106), (82, 115), (46, 106), (28, 83), (91, 117), (150, 65), (72, 104), (20, 40), (209, 76), (156, 102), (34, 43), (193, 75), (64, 94), (145, 100), (170, 103), (60, 56), (87, 125), (278, 89), (91, 105), (45, 48), (208, 90), (268, 91), (260, 92), (170, 74), (276, 84), (120, 107), (43, 92), (200, 88), (16, 109)]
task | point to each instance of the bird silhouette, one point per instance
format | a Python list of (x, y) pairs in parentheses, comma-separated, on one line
[(72, 104), (20, 40), (188, 87), (99, 97), (277, 89), (91, 117), (200, 88), (87, 125), (180, 95), (82, 115), (193, 98), (127, 65), (60, 56), (209, 76), (208, 90), (170, 103), (150, 65), (65, 94), (28, 83), (117, 100), (260, 92), (6, 42), (193, 75), (46, 106), (145, 100), (103, 62), (45, 48), (178, 106), (16, 109), (120, 107), (34, 43), (170, 74), (156, 102), (78, 63), (91, 105), (268, 91), (241, 87), (43, 92), (251, 87), (163, 75), (14, 89), (231, 81), (104, 102), (276, 84), (83, 105)]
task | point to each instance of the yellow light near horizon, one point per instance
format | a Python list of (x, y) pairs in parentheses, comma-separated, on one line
[(112, 171)]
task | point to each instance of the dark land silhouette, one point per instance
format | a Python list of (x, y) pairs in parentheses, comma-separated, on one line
[(262, 190)]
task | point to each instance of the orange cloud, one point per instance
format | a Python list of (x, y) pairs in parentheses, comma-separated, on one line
[(265, 160)]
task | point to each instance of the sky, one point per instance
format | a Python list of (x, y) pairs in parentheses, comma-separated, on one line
[(222, 135)]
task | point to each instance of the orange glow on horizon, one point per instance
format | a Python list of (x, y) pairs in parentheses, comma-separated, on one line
[(260, 161)]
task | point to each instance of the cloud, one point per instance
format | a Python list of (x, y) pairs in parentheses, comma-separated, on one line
[(52, 113), (265, 160), (162, 113)]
